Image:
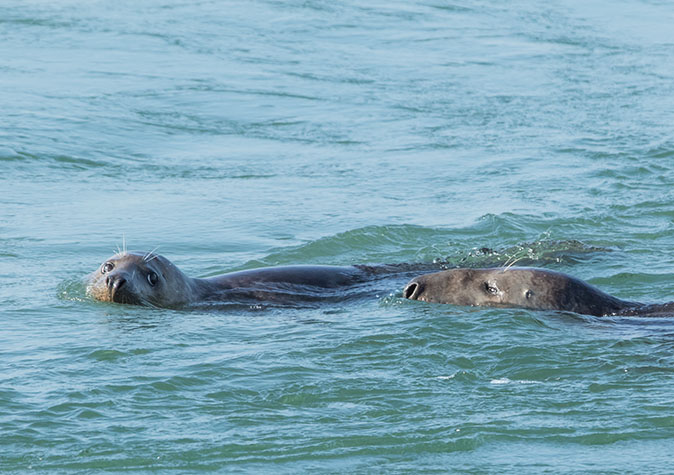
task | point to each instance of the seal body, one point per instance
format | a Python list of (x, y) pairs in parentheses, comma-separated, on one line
[(151, 279), (531, 288)]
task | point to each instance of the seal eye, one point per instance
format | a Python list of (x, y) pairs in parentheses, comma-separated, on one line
[(152, 278), (528, 294), (107, 267), (490, 289)]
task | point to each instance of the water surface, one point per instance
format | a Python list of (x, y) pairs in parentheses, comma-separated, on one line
[(239, 134)]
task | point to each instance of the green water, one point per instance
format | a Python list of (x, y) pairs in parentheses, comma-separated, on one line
[(240, 134)]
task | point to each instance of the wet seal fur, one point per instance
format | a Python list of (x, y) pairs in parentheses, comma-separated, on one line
[(522, 287), (150, 279)]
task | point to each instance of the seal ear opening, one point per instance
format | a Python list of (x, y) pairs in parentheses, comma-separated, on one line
[(411, 291)]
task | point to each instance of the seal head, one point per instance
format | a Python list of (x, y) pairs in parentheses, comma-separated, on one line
[(141, 279), (531, 288)]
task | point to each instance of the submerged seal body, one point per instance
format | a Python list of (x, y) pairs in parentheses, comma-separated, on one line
[(531, 288), (151, 279)]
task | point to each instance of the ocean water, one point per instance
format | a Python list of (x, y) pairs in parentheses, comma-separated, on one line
[(238, 134)]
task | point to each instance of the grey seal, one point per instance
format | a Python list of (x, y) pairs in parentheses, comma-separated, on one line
[(530, 288), (151, 279)]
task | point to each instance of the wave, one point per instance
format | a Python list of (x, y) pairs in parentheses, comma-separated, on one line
[(393, 244)]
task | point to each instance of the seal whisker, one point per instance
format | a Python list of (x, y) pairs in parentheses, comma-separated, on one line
[(147, 258), (514, 261), (506, 264), (122, 251), (147, 303)]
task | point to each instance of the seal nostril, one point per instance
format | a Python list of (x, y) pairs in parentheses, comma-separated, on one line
[(409, 292), (119, 283), (115, 282)]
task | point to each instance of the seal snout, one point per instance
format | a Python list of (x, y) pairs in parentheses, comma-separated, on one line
[(115, 282), (119, 288), (412, 290)]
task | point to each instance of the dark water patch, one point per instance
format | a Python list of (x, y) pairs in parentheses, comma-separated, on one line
[(49, 23), (8, 154), (454, 8), (138, 169), (112, 355), (59, 161), (662, 152), (641, 278)]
